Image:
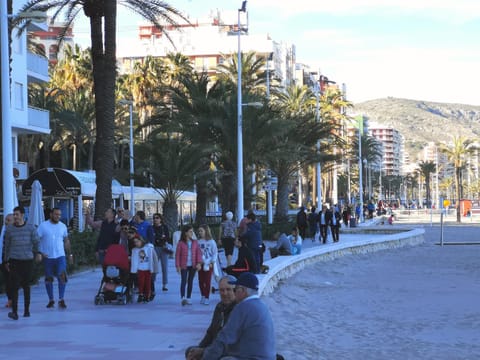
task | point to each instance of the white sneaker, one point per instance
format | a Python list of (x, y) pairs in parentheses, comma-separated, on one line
[(202, 300), (189, 301), (184, 301), (206, 302)]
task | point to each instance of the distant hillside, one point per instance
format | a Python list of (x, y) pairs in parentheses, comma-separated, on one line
[(421, 121)]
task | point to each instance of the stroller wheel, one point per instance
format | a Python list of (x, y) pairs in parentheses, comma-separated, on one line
[(99, 300)]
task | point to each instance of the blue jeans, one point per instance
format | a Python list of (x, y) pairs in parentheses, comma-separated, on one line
[(55, 268), (187, 277)]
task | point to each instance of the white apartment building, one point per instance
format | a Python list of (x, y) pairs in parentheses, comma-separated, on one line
[(26, 68), (431, 152), (205, 41), (393, 144)]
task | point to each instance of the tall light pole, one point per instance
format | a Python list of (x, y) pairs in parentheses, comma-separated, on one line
[(132, 169), (7, 152), (360, 167), (318, 168), (239, 122)]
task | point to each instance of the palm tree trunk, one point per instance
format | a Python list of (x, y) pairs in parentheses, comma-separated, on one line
[(201, 213), (170, 215), (457, 194), (104, 75), (281, 210)]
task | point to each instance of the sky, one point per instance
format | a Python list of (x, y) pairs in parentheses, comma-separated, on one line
[(415, 49)]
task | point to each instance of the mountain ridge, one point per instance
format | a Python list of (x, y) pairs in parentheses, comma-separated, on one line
[(421, 121)]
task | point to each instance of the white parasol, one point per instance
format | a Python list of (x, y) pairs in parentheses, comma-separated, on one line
[(36, 214)]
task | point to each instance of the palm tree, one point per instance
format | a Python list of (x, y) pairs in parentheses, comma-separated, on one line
[(103, 17), (372, 152), (198, 114), (143, 85), (44, 97), (427, 168), (171, 161), (253, 73), (457, 153), (292, 140)]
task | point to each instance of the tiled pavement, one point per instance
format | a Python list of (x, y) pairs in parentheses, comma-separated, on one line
[(161, 329)]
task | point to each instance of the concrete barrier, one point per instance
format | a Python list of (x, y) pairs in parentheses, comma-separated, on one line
[(364, 241)]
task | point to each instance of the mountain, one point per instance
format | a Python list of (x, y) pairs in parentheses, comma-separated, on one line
[(421, 122)]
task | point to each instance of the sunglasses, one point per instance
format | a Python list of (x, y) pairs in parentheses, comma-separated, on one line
[(157, 217)]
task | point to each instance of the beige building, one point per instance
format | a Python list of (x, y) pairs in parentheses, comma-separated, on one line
[(205, 41), (393, 144)]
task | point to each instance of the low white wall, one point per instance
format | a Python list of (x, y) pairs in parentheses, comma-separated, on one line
[(283, 267)]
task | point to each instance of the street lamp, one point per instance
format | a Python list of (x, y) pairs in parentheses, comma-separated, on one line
[(132, 170), (7, 153), (318, 87), (239, 123)]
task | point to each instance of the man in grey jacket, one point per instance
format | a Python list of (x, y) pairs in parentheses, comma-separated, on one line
[(249, 332), (283, 246), (21, 245)]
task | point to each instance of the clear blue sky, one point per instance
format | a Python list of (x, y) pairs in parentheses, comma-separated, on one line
[(416, 49)]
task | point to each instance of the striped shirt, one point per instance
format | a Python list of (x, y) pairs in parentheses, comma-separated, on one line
[(21, 242)]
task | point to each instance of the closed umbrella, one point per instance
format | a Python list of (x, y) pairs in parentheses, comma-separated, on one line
[(36, 214)]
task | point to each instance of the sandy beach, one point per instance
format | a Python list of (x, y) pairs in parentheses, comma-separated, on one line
[(417, 302)]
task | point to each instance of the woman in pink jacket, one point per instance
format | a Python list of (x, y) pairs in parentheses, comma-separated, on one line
[(188, 259)]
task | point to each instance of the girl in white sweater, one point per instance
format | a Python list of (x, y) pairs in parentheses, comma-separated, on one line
[(208, 246), (144, 264)]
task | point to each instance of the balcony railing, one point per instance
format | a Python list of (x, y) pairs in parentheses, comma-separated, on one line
[(37, 66), (39, 118)]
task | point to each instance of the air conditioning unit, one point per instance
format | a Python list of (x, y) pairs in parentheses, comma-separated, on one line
[(20, 170)]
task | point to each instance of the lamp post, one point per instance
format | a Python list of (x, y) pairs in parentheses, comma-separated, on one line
[(7, 153), (132, 169), (239, 123), (360, 167), (318, 169)]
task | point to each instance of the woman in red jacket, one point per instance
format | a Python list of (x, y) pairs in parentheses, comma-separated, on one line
[(188, 259)]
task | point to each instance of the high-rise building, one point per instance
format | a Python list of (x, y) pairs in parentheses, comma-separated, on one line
[(392, 143)]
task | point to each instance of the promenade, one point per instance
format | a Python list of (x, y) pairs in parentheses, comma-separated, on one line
[(161, 329)]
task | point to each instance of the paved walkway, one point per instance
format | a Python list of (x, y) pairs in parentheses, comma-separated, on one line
[(160, 329)]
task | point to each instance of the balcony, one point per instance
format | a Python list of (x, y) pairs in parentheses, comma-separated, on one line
[(37, 68), (38, 120)]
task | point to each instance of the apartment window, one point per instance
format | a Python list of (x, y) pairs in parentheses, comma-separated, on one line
[(19, 96)]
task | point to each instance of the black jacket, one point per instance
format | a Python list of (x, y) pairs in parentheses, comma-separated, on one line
[(219, 319)]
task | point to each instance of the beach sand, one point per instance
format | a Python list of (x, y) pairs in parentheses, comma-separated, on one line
[(417, 302)]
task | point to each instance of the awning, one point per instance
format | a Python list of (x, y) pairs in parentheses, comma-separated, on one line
[(62, 182)]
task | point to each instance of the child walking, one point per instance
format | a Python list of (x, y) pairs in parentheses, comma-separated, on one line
[(208, 246), (144, 264), (188, 259)]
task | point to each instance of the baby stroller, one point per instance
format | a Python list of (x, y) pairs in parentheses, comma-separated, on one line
[(115, 287)]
